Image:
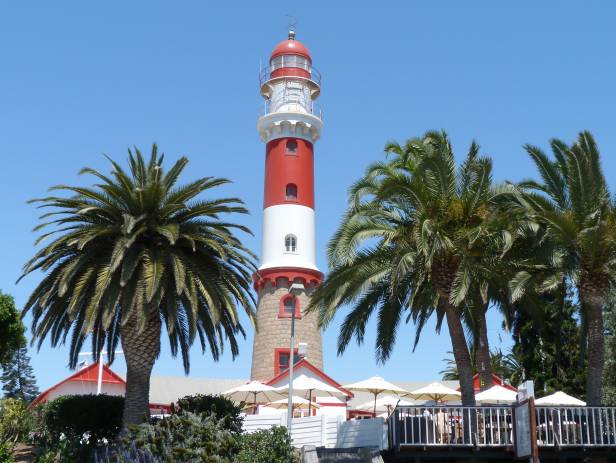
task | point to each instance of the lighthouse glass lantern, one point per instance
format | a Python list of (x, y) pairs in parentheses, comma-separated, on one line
[(289, 127)]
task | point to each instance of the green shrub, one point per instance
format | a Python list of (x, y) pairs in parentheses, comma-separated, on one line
[(185, 437), (70, 428), (218, 405), (99, 416), (5, 454), (267, 446), (15, 421)]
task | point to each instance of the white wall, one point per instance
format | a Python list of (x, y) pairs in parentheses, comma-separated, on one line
[(280, 221), (325, 431), (85, 387)]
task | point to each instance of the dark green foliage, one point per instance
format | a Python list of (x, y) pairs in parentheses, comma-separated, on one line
[(185, 437), (609, 371), (547, 346), (18, 377), (217, 405), (267, 446), (74, 426), (11, 328), (5, 454), (500, 365)]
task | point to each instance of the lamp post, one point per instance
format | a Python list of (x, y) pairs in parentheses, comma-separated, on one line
[(295, 289)]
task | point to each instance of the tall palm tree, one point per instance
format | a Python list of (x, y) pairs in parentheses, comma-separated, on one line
[(132, 253), (574, 205), (418, 232)]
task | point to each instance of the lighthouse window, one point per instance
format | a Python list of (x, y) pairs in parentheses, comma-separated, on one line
[(291, 147), (289, 305), (291, 192), (290, 243)]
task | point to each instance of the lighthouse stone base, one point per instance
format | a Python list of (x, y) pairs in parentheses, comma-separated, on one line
[(274, 331)]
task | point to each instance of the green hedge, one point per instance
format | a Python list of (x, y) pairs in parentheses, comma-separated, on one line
[(217, 405), (100, 416)]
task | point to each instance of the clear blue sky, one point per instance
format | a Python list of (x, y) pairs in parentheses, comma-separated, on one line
[(78, 79)]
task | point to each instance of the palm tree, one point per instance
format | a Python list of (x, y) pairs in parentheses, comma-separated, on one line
[(574, 205), (135, 252), (418, 232)]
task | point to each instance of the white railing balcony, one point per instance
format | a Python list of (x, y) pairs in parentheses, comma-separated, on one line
[(492, 426), (451, 426), (576, 426), (312, 107)]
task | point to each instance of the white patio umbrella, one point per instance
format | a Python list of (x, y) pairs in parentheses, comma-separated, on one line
[(496, 395), (310, 386), (376, 385), (298, 403), (253, 393), (560, 398), (435, 391), (385, 403)]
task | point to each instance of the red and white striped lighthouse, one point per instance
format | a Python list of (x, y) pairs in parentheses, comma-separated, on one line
[(289, 127)]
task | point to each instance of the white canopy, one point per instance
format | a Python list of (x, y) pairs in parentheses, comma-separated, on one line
[(385, 403), (560, 398), (297, 403), (312, 386), (435, 391), (376, 385), (496, 395), (254, 392)]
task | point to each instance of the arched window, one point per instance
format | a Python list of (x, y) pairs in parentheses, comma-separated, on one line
[(291, 192), (290, 243), (289, 304), (291, 147)]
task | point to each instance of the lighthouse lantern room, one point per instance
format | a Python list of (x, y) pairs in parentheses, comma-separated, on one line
[(289, 126)]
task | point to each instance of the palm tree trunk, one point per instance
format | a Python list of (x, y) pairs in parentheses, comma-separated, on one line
[(461, 354), (140, 351), (593, 298), (484, 361)]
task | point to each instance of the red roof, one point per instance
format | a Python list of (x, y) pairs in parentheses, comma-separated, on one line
[(291, 47), (87, 374), (497, 380), (316, 371)]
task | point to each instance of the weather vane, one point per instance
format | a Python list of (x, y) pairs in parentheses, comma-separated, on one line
[(292, 26)]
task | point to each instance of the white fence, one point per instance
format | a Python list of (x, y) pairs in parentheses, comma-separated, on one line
[(325, 431)]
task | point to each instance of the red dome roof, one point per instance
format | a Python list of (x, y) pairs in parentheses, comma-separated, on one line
[(291, 47)]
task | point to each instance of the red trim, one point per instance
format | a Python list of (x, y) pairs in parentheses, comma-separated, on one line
[(283, 168), (496, 380), (326, 404), (277, 352), (305, 363), (87, 374), (282, 313), (289, 71), (307, 276)]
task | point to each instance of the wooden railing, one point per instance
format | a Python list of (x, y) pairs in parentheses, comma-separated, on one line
[(492, 426)]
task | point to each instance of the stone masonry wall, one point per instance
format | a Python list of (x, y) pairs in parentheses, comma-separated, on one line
[(274, 332)]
